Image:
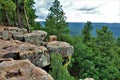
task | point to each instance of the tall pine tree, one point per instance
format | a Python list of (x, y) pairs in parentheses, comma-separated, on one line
[(56, 20), (86, 31)]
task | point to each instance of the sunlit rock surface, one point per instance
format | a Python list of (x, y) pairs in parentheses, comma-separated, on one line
[(60, 47), (19, 50), (22, 70)]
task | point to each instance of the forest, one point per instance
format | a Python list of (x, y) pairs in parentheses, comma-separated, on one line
[(95, 57)]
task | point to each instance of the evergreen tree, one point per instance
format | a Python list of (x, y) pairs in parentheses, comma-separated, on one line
[(104, 40), (56, 20), (18, 13), (58, 71), (7, 8), (86, 32), (118, 41), (105, 55), (82, 65), (99, 61), (30, 12)]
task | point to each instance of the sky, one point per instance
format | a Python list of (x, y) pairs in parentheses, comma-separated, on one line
[(83, 10)]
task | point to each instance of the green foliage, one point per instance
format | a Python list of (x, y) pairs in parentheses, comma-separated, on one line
[(99, 59), (58, 71), (18, 13), (8, 5), (118, 41), (82, 65), (86, 31), (56, 21), (7, 8)]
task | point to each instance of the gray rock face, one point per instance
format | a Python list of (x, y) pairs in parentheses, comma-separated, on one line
[(19, 50), (31, 46), (62, 48), (8, 33), (22, 70), (37, 37)]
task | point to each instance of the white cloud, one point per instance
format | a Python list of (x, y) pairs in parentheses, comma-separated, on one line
[(83, 10)]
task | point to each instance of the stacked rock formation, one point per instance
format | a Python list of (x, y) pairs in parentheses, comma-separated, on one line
[(20, 52)]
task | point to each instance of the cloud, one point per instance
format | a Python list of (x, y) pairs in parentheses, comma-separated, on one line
[(83, 10), (86, 8), (89, 10), (42, 7)]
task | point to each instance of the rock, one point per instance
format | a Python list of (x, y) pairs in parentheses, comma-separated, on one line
[(37, 37), (63, 48), (89, 79), (5, 59), (36, 55), (8, 33), (5, 35), (22, 70), (19, 50), (31, 46), (53, 38)]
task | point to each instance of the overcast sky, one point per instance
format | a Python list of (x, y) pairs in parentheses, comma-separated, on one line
[(83, 10)]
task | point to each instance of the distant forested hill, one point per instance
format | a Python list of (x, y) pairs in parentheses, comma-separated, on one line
[(77, 27)]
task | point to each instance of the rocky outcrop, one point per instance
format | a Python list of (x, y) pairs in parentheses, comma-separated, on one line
[(22, 70), (8, 33), (60, 47), (36, 37), (16, 43), (19, 50)]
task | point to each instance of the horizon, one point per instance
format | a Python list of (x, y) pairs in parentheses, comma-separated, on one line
[(82, 11), (90, 21)]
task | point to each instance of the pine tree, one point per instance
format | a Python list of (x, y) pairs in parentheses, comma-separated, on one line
[(118, 41), (19, 13), (99, 61), (105, 55), (86, 31), (56, 21), (7, 8)]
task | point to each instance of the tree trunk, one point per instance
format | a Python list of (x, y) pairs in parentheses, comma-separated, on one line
[(26, 17), (6, 18), (19, 15)]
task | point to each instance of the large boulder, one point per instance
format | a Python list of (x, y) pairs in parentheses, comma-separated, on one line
[(37, 37), (8, 33), (19, 50), (60, 47), (22, 70)]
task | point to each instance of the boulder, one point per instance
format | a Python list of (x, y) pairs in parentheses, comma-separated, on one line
[(37, 37), (5, 59), (19, 50), (22, 70), (89, 79), (8, 33), (53, 38), (60, 47), (36, 55)]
